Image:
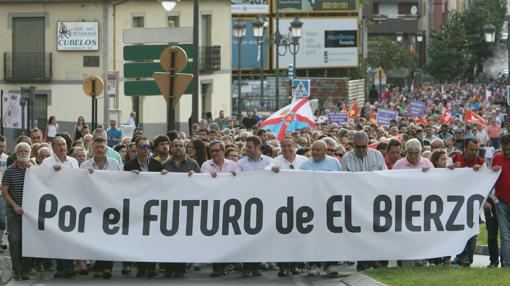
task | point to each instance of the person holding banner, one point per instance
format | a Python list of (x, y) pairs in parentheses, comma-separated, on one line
[(218, 164), (13, 181), (142, 163), (253, 161), (288, 160), (99, 161), (362, 158), (57, 161), (502, 161), (180, 163)]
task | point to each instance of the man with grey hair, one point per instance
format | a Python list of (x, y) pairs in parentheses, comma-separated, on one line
[(361, 158), (13, 181), (413, 158), (332, 146)]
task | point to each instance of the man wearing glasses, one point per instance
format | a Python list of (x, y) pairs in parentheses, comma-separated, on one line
[(363, 159), (218, 164), (143, 163)]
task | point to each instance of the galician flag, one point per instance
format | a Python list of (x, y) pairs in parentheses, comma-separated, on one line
[(297, 115)]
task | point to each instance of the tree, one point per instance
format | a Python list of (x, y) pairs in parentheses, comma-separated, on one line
[(388, 54), (448, 51), (458, 50)]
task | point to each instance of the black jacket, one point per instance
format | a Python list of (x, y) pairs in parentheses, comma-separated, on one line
[(154, 165)]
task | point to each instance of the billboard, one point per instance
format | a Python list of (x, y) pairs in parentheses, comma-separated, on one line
[(250, 49), (325, 42), (311, 6), (249, 6), (77, 36)]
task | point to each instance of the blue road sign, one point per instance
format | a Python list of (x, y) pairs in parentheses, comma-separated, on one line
[(301, 87)]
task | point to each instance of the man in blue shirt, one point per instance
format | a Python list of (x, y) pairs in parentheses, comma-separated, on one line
[(319, 160), (114, 134)]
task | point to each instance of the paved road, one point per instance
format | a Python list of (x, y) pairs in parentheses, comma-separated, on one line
[(192, 278)]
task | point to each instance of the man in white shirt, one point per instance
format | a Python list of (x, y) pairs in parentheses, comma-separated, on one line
[(3, 206), (57, 161), (288, 160)]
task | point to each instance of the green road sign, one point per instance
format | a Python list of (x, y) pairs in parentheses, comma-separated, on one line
[(143, 62)]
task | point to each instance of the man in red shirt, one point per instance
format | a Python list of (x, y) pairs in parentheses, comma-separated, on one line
[(468, 159), (502, 160), (393, 153)]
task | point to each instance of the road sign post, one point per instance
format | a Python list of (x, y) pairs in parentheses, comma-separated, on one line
[(93, 86), (171, 83)]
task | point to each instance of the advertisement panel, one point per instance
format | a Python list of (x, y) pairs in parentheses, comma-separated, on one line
[(77, 36), (249, 6), (250, 48), (325, 42), (311, 6)]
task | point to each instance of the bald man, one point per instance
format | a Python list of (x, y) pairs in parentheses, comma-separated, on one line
[(319, 160)]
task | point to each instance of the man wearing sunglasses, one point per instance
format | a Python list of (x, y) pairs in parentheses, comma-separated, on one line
[(362, 158), (143, 163)]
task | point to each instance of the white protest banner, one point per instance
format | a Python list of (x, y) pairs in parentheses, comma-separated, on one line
[(256, 216)]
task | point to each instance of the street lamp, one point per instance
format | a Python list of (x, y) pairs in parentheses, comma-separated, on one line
[(295, 27), (419, 37), (258, 33), (239, 34), (489, 32), (399, 37)]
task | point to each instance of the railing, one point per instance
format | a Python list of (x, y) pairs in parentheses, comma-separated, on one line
[(27, 67), (210, 59)]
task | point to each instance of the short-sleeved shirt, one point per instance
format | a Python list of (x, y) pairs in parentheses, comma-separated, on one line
[(228, 166), (14, 177), (3, 164), (283, 164), (246, 164), (187, 165), (110, 165), (114, 133), (373, 161), (503, 182), (404, 164), (459, 161), (327, 164), (53, 160)]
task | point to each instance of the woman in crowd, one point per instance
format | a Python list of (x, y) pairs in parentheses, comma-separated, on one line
[(51, 129), (197, 151), (76, 132)]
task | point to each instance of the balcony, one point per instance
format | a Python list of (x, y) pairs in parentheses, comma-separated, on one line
[(210, 59), (27, 67)]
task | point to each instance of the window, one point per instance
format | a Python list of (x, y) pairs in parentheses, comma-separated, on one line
[(173, 21), (138, 22), (206, 30), (206, 91), (375, 9)]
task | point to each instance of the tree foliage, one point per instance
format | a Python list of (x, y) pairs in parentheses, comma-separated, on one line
[(389, 54), (458, 50)]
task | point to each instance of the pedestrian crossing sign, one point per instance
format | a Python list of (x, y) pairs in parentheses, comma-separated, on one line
[(301, 87)]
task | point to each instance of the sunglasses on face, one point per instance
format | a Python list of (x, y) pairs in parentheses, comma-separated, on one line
[(144, 146)]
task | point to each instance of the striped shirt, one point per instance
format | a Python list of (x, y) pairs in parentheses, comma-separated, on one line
[(373, 161), (14, 177)]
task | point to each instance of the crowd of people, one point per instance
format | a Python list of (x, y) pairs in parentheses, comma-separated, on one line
[(224, 145)]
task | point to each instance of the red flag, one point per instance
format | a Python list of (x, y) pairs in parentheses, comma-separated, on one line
[(344, 108), (354, 112), (447, 117), (372, 117), (423, 121), (473, 117)]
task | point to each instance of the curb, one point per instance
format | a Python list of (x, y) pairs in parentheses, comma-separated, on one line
[(359, 279)]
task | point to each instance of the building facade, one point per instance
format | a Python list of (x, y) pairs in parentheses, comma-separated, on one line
[(53, 45)]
